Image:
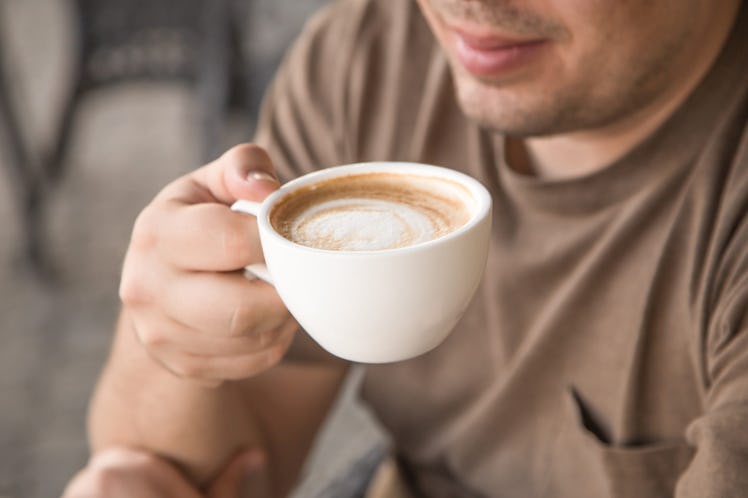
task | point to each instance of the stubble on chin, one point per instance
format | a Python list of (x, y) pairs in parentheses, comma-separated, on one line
[(504, 107), (505, 112)]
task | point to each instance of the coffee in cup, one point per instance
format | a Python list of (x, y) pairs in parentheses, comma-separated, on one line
[(372, 211), (376, 261)]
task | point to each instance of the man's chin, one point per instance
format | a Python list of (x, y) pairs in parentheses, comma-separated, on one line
[(507, 110), (508, 119)]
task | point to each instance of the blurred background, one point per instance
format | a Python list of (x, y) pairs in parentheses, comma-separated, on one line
[(102, 102)]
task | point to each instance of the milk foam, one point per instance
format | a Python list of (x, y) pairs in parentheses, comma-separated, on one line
[(372, 212), (363, 225)]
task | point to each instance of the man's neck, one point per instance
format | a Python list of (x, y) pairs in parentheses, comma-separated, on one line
[(586, 151)]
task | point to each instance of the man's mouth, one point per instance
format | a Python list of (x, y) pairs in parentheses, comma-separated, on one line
[(490, 55)]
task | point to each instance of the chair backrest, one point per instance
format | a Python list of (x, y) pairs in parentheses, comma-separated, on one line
[(143, 39)]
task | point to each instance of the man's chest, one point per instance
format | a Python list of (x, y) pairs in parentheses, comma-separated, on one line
[(581, 342)]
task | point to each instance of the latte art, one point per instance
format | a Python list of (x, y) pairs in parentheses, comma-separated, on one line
[(372, 212), (365, 224)]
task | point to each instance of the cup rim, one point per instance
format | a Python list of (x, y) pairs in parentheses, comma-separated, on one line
[(478, 191)]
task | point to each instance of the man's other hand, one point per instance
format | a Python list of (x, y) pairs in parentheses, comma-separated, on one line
[(128, 473)]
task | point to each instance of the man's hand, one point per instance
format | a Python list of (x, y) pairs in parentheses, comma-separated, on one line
[(127, 473), (190, 306)]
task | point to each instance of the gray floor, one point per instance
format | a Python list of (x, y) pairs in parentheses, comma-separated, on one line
[(54, 338)]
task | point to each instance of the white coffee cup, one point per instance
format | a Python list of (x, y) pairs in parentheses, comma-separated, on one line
[(377, 306)]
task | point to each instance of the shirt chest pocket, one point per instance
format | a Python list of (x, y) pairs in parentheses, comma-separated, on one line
[(583, 465)]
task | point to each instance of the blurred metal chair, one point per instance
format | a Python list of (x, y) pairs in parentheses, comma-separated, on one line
[(185, 41), (24, 176), (192, 42)]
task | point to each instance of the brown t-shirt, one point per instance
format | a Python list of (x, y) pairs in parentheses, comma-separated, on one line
[(606, 354)]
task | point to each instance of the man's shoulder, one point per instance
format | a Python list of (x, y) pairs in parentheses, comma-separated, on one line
[(354, 14), (352, 87), (347, 27), (360, 67), (351, 40)]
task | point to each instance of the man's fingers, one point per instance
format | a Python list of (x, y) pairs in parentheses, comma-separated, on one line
[(125, 473), (207, 237), (218, 368), (231, 305), (243, 172), (245, 477), (190, 223), (162, 334)]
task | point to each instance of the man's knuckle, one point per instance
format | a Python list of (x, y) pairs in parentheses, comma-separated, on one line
[(188, 369), (266, 338), (105, 481), (132, 290), (274, 337), (147, 462), (243, 317), (275, 354), (152, 338), (145, 233)]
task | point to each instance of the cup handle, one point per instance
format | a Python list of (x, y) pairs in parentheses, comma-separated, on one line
[(256, 270)]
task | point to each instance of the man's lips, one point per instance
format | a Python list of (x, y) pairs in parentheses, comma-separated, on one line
[(487, 41), (492, 56)]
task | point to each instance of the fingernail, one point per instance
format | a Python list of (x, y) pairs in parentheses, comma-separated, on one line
[(262, 176)]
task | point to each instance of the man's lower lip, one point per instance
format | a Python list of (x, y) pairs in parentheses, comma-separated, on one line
[(494, 62)]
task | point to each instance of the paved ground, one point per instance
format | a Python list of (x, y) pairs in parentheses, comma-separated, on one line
[(53, 338)]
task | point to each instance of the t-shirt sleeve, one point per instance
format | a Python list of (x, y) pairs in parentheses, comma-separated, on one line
[(302, 123), (364, 82), (720, 436)]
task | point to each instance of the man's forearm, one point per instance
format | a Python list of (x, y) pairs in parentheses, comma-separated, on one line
[(139, 403)]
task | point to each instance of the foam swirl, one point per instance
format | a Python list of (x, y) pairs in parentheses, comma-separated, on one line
[(371, 212), (364, 225)]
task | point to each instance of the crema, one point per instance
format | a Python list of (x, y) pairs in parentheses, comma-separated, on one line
[(372, 212)]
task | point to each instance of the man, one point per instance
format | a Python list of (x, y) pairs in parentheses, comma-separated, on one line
[(606, 354)]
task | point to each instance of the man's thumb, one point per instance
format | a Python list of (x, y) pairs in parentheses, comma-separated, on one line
[(248, 173)]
